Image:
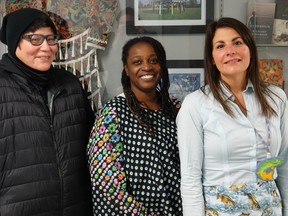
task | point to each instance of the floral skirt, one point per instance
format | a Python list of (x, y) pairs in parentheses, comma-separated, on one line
[(253, 199)]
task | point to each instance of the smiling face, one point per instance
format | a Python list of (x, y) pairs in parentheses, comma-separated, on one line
[(143, 68), (37, 57), (230, 54)]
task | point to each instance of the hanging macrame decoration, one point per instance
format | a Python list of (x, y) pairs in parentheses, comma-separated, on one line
[(84, 27)]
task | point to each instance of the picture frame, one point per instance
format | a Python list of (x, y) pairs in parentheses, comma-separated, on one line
[(136, 25), (185, 77)]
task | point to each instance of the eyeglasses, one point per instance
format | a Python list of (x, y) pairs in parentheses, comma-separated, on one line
[(38, 39)]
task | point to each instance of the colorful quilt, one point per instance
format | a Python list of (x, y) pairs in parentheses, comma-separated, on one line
[(271, 71), (73, 17)]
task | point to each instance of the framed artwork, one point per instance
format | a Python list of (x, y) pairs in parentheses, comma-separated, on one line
[(271, 71), (186, 78), (168, 17)]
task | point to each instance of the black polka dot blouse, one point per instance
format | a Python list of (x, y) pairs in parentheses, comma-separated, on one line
[(134, 172)]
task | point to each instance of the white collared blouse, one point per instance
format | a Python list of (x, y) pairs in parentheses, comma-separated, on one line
[(216, 149)]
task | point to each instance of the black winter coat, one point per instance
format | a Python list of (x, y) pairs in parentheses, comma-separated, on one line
[(43, 169)]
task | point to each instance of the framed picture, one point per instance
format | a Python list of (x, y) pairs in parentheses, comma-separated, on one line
[(168, 17), (186, 78)]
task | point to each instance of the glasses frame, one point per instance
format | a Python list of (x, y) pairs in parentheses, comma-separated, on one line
[(43, 37)]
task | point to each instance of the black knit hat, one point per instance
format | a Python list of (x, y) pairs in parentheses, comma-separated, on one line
[(15, 23)]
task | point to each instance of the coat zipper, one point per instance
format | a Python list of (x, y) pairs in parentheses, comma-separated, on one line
[(51, 111)]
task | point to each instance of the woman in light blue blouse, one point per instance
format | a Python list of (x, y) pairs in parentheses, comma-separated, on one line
[(232, 133)]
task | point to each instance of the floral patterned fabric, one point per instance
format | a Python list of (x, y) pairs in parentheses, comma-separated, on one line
[(73, 17), (271, 71), (132, 172), (253, 199)]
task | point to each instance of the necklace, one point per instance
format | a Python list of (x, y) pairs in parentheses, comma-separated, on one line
[(265, 169)]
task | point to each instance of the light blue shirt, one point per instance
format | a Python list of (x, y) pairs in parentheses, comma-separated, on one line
[(216, 149)]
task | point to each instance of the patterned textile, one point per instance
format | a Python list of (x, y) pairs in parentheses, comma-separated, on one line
[(84, 27), (73, 17), (132, 172), (255, 199), (271, 71)]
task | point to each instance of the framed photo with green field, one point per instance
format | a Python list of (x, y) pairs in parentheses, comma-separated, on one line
[(168, 16)]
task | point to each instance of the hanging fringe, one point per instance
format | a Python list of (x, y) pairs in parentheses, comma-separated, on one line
[(88, 65), (96, 96), (81, 68), (66, 51), (74, 68), (60, 52), (92, 105), (72, 41), (86, 44), (86, 56), (98, 80), (99, 105), (90, 76), (83, 83), (90, 84), (97, 43), (73, 49), (95, 59)]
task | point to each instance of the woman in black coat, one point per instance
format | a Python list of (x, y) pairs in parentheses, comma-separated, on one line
[(45, 120)]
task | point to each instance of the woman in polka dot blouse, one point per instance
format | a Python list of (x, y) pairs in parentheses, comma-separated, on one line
[(132, 151)]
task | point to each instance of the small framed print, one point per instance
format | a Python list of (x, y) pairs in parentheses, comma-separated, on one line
[(185, 80)]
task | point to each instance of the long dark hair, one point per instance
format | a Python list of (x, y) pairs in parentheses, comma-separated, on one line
[(166, 104), (212, 74)]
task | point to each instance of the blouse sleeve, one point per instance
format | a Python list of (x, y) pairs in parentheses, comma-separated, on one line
[(105, 159), (282, 178), (190, 141)]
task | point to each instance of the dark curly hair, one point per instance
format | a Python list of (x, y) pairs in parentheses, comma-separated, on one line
[(166, 104)]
